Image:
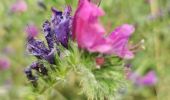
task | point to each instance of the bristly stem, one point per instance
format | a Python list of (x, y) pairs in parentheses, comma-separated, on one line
[(154, 8), (99, 2)]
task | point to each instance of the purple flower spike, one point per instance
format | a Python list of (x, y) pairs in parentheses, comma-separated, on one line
[(56, 16), (67, 11), (38, 49), (62, 32), (61, 25), (49, 35)]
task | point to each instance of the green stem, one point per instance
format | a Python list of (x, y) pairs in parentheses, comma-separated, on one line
[(154, 7)]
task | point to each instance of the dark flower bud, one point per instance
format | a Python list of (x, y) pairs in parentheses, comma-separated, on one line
[(43, 70), (35, 66), (39, 67), (61, 23), (28, 71), (30, 76)]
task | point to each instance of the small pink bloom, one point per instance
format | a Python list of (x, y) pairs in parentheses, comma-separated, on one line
[(100, 60), (4, 63), (147, 80), (31, 30), (19, 6), (90, 34)]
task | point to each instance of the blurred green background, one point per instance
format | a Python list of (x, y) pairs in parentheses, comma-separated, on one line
[(152, 22)]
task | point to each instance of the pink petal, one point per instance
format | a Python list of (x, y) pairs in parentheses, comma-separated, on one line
[(31, 30), (119, 39), (85, 24), (4, 63), (89, 33), (19, 6), (149, 79)]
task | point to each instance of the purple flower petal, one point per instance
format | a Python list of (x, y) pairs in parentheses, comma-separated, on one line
[(49, 34), (61, 24), (50, 57), (37, 48)]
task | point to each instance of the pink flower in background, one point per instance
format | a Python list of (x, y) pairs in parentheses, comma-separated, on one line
[(31, 30), (4, 63), (147, 80), (90, 34), (19, 6)]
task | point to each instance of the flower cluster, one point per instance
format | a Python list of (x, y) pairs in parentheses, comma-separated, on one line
[(97, 48), (57, 32)]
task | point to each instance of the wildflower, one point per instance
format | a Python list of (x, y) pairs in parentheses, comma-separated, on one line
[(4, 63), (89, 33), (147, 80), (49, 34), (61, 22), (58, 29), (19, 6), (31, 30)]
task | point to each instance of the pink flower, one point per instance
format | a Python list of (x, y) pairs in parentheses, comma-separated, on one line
[(100, 60), (4, 63), (90, 34), (147, 80), (31, 30), (19, 6)]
